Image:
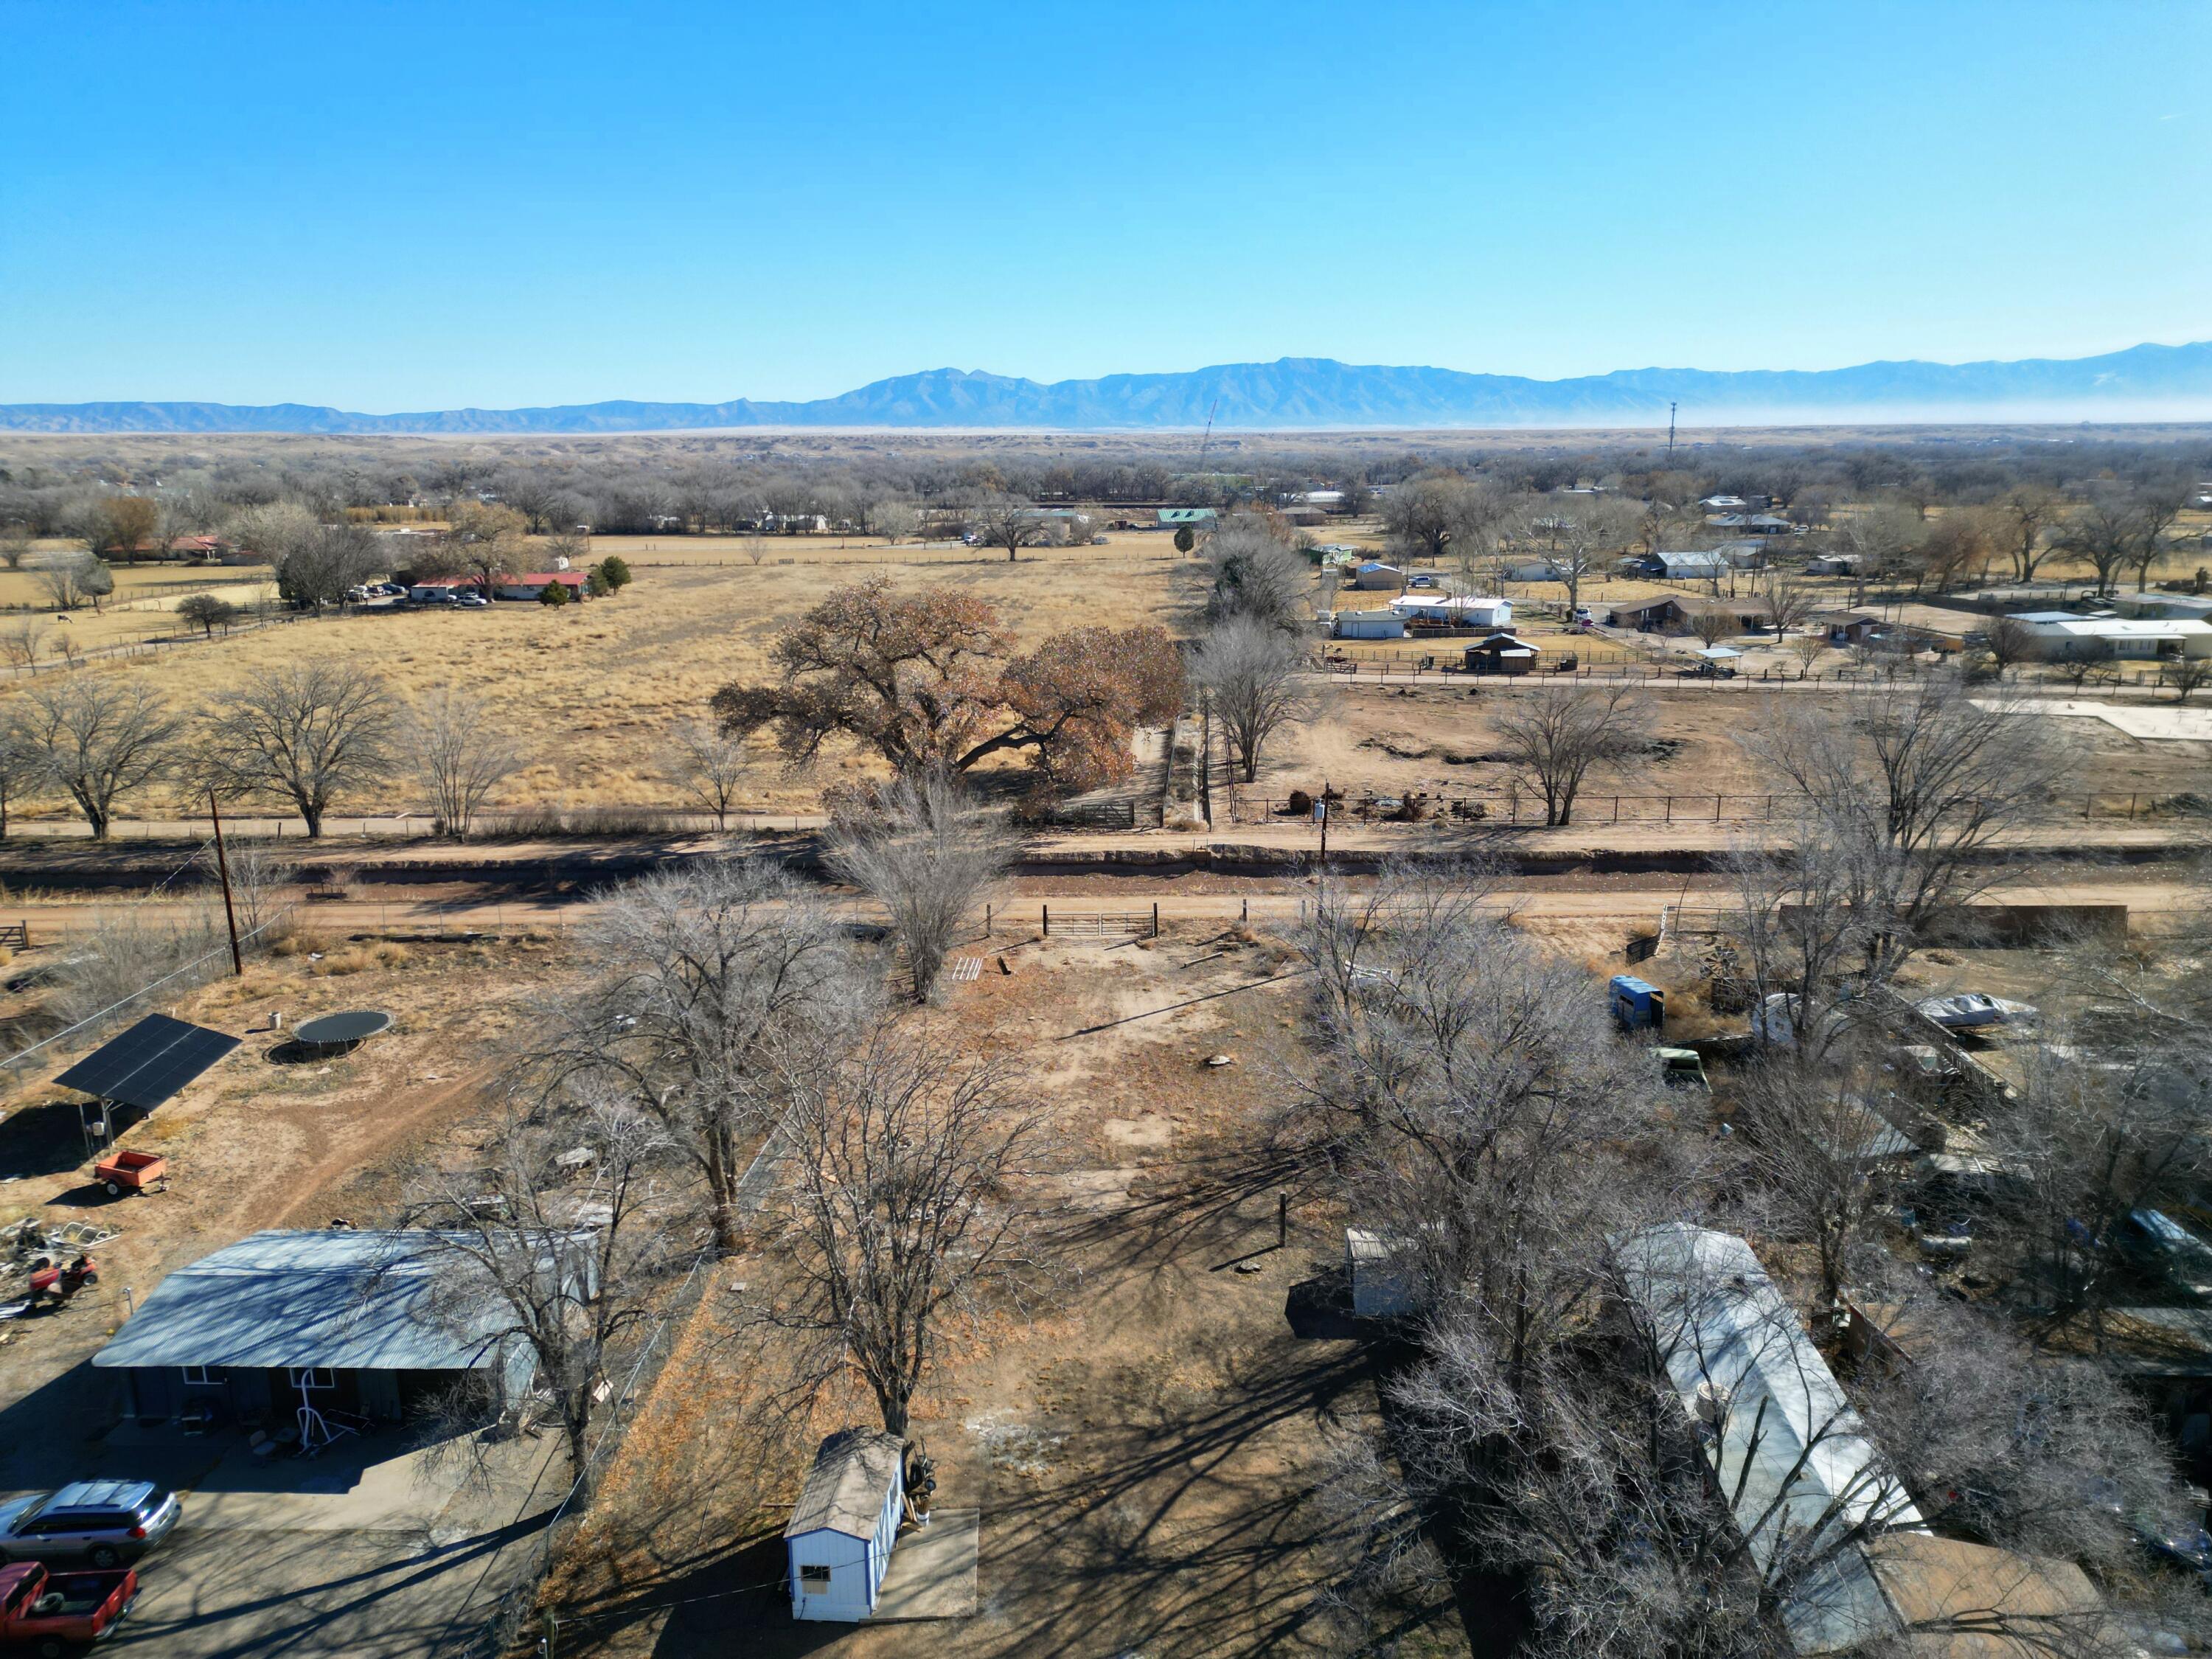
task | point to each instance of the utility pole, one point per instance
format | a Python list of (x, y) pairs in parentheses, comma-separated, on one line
[(223, 867), (1205, 757), (1670, 431)]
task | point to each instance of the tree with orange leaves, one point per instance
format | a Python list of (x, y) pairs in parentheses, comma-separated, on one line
[(926, 679)]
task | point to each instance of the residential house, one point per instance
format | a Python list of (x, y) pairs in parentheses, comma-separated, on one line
[(1460, 610), (364, 1323), (2062, 635), (1752, 524), (1647, 616), (1698, 564)]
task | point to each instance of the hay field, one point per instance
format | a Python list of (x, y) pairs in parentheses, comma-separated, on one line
[(592, 691)]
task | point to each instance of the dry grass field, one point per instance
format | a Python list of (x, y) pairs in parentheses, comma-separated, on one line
[(592, 692)]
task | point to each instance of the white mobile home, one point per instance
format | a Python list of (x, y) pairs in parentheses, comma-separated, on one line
[(2064, 635), (838, 1545), (1461, 610)]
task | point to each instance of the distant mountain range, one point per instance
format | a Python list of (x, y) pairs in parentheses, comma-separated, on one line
[(2144, 383)]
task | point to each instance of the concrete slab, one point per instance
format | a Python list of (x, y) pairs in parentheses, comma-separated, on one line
[(2165, 723), (932, 1571), (358, 1486)]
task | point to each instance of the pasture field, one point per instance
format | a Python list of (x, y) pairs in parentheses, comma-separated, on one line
[(592, 692)]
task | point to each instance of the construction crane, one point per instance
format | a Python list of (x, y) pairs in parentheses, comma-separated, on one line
[(1206, 442)]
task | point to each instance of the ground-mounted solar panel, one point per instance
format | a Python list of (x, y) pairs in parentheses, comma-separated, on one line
[(150, 1063)]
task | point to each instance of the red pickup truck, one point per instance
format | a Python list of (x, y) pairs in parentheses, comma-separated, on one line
[(51, 1613)]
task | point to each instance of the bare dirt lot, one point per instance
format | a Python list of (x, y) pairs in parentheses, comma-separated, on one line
[(1443, 740), (1146, 1457)]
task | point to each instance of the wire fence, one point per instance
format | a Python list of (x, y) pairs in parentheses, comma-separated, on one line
[(197, 971), (1521, 807)]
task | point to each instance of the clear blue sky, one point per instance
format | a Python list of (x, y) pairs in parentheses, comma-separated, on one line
[(390, 206)]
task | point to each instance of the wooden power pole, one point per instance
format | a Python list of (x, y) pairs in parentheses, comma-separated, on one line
[(222, 868)]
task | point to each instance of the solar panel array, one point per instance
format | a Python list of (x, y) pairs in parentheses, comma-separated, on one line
[(150, 1063)]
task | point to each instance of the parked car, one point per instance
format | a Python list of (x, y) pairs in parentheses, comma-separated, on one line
[(51, 1613), (1969, 1010), (107, 1523), (2164, 1251), (474, 601)]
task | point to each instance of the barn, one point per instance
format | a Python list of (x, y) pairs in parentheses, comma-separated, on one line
[(838, 1544)]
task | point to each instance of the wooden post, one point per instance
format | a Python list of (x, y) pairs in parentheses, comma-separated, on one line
[(223, 867), (1047, 910), (1247, 916), (987, 921), (1282, 1220), (1156, 918)]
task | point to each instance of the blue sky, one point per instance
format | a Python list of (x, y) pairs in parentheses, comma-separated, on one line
[(390, 206)]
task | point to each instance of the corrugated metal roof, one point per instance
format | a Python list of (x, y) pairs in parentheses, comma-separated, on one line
[(1785, 1444), (853, 1472), (342, 1298)]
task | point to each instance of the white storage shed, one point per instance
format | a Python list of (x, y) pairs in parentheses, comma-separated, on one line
[(838, 1545), (1370, 625)]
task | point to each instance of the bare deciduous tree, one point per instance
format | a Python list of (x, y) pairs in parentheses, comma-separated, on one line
[(710, 973), (459, 755), (1558, 735), (1009, 522), (907, 1215), (709, 765), (73, 581), (304, 734), (22, 641), (918, 847), (2010, 643), (1257, 575), (895, 520), (1258, 680), (1587, 537), (533, 1253), (2028, 514), (99, 740)]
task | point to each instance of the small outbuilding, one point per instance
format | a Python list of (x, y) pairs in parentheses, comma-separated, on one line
[(1383, 1282), (1368, 625), (1501, 653), (838, 1544), (1377, 577)]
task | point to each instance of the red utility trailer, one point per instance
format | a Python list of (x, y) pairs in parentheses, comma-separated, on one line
[(133, 1172)]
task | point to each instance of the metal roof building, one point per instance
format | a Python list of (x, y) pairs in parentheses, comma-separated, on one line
[(371, 1320), (1785, 1446)]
